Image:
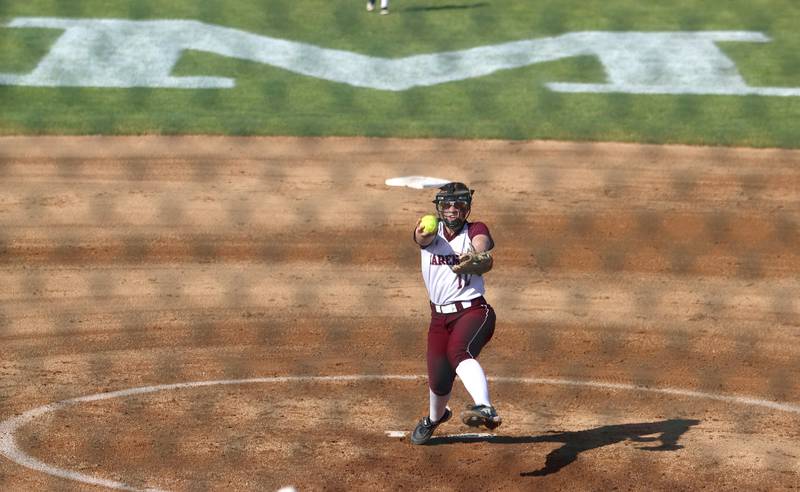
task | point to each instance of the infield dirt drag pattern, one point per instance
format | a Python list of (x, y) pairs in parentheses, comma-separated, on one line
[(145, 261)]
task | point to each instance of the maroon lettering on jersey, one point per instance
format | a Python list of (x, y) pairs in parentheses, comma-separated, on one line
[(444, 259)]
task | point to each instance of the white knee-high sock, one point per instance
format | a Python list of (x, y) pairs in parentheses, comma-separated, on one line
[(384, 4), (437, 405), (471, 374)]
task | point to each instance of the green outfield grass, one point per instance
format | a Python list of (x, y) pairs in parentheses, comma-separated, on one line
[(507, 104)]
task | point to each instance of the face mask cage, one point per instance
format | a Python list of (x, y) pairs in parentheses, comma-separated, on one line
[(460, 203)]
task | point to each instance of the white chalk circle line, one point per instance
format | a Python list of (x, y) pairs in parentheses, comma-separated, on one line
[(9, 448)]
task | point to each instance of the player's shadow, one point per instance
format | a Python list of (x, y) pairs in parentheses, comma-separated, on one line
[(665, 432), (461, 6)]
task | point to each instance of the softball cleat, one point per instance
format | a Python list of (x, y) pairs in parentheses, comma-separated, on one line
[(481, 415), (425, 428)]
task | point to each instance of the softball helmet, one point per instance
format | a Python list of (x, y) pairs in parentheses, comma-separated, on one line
[(456, 196)]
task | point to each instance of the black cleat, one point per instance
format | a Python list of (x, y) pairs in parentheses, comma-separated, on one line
[(425, 428), (481, 415)]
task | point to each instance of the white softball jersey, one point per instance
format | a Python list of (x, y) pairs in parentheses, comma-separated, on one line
[(444, 286)]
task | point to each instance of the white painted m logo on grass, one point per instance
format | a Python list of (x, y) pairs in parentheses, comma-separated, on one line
[(124, 53)]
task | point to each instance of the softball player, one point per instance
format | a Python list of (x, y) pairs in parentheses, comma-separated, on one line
[(462, 322), (384, 6)]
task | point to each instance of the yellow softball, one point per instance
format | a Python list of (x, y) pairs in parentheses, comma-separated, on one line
[(429, 223)]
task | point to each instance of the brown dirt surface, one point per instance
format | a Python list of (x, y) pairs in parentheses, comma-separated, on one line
[(646, 296)]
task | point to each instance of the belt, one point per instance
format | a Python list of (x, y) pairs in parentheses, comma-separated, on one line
[(457, 306)]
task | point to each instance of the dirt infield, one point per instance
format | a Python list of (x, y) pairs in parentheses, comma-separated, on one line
[(647, 303)]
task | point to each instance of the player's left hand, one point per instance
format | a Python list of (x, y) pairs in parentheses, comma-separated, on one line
[(472, 263)]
